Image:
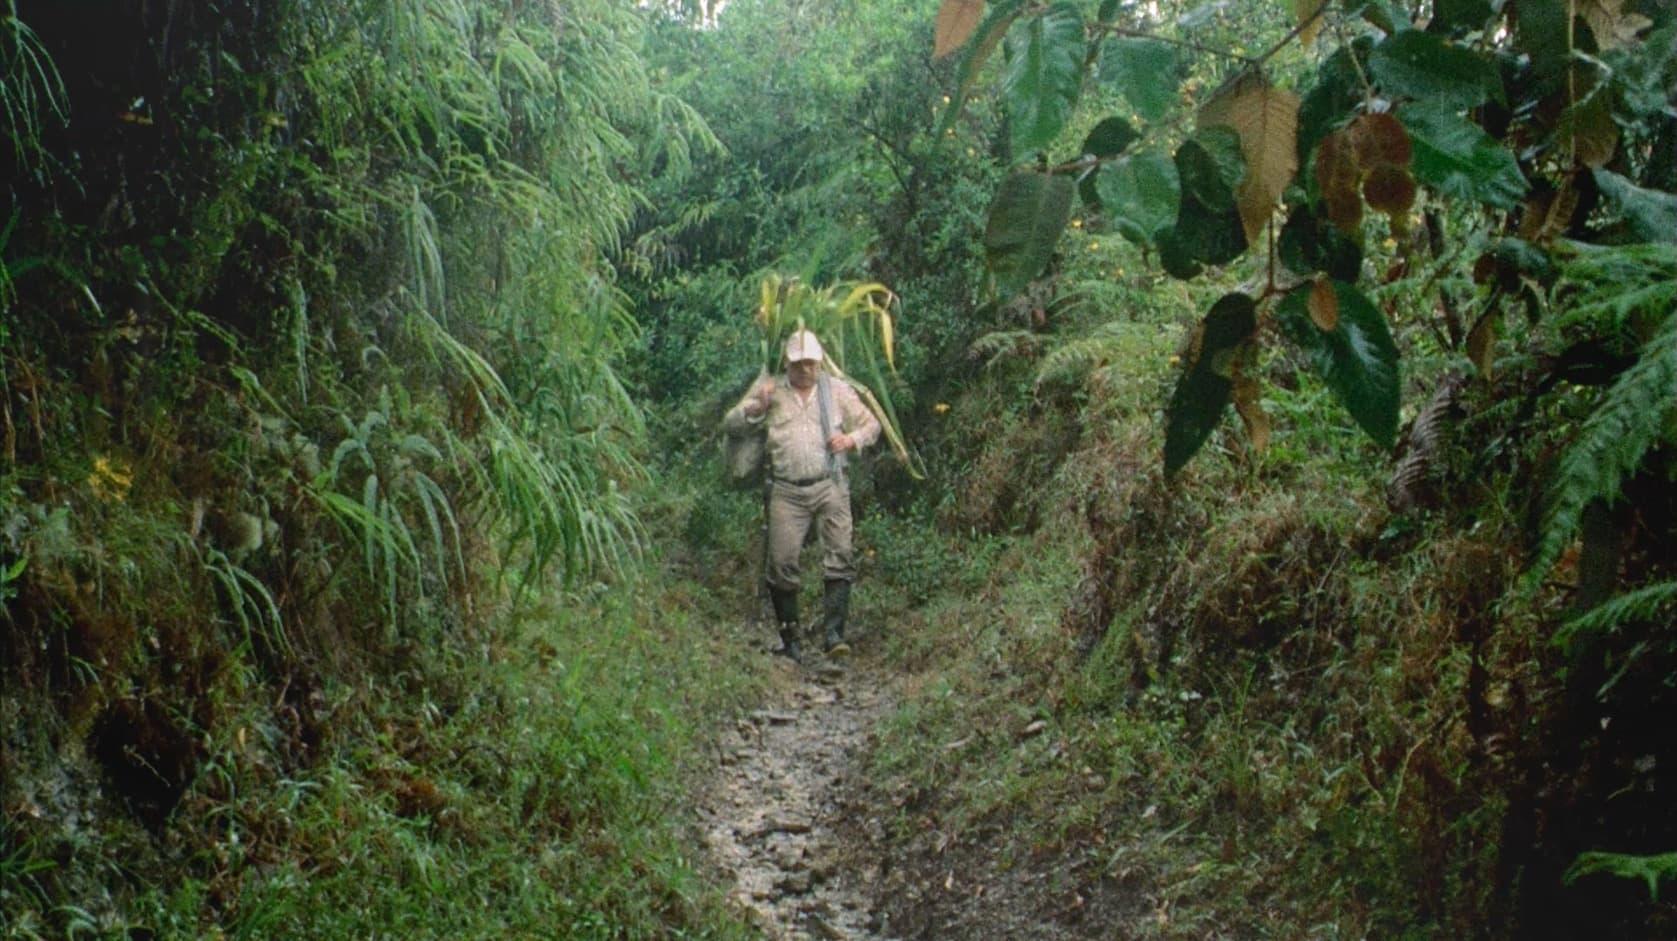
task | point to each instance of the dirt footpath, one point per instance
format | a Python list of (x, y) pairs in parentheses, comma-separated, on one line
[(776, 818)]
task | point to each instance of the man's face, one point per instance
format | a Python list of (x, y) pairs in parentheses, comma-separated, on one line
[(801, 373)]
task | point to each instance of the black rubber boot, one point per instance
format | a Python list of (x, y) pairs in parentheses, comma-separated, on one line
[(789, 647), (786, 613), (836, 607)]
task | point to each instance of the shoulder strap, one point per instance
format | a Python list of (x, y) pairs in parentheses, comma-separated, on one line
[(824, 398)]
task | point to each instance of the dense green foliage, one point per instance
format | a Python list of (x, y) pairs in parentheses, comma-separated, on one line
[(1506, 159), (310, 336), (359, 360)]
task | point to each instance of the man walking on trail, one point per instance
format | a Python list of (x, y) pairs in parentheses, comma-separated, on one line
[(812, 422)]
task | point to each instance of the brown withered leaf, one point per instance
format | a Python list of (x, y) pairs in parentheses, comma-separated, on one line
[(1422, 449), (1533, 213), (1247, 395), (956, 20), (1192, 349), (1481, 339), (1558, 216), (1547, 213), (1380, 140), (1390, 189), (1336, 161), (1307, 14), (1323, 305), (1266, 120), (1345, 211), (1593, 132), (1610, 24), (1485, 269), (1337, 179)]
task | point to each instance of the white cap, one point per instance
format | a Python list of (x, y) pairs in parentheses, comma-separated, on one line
[(802, 345)]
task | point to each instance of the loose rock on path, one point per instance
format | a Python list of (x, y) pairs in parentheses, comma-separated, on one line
[(772, 820)]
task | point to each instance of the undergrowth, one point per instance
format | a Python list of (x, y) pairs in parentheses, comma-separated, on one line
[(1257, 700), (513, 787)]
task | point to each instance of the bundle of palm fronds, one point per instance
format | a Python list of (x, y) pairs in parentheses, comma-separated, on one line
[(857, 331)]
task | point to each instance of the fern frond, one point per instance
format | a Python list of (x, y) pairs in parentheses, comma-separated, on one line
[(1640, 605), (1650, 869), (1616, 284), (1073, 362), (1634, 414), (1422, 445), (998, 344)]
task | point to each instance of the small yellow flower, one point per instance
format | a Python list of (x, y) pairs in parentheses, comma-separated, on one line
[(946, 99), (941, 407), (1175, 360), (1389, 244), (1077, 223), (1094, 246), (110, 480)]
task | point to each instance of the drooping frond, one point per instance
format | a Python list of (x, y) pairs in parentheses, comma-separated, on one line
[(1637, 410), (998, 345), (1639, 605), (1073, 361), (1650, 870), (1109, 351)]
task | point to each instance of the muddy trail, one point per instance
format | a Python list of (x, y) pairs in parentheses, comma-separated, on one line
[(793, 822), (784, 816)]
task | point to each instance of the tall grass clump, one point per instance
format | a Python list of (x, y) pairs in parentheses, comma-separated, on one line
[(311, 384)]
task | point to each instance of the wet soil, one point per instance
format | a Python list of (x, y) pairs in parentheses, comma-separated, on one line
[(781, 816), (814, 849)]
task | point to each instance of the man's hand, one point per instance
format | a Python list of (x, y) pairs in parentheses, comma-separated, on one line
[(760, 404), (841, 443)]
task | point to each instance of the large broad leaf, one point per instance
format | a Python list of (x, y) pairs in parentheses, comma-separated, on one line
[(1588, 130), (1141, 195), (1213, 237), (1543, 31), (1207, 381), (1208, 227), (1451, 16), (1210, 166), (1110, 137), (1356, 358), (1310, 243), (1382, 14), (1651, 215), (1266, 118), (1026, 219), (1145, 71), (956, 22), (1106, 139), (1457, 158), (985, 41), (1418, 65), (1044, 75)]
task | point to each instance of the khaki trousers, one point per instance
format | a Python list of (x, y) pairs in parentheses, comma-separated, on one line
[(792, 509)]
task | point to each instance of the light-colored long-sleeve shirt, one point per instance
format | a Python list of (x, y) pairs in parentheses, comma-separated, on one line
[(797, 449)]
